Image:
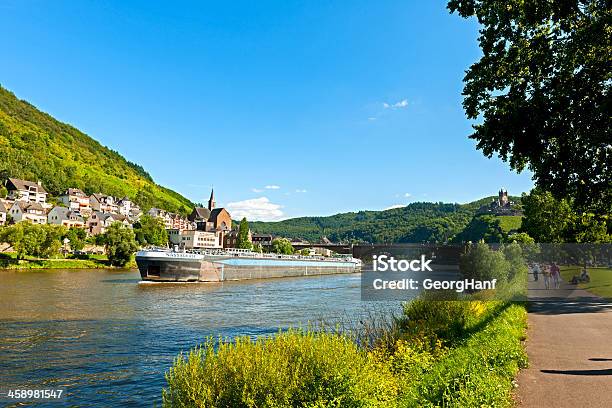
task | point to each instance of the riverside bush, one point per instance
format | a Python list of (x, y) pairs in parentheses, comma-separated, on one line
[(293, 368), (447, 353), (480, 371)]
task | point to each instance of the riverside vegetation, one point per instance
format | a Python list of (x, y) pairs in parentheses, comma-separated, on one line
[(449, 352), (37, 246)]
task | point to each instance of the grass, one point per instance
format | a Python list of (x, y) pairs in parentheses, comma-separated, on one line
[(8, 260), (601, 279), (509, 223), (443, 353)]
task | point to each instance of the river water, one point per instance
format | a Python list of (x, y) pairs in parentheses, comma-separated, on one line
[(107, 339)]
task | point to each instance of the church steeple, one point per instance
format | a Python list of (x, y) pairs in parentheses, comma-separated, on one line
[(211, 200)]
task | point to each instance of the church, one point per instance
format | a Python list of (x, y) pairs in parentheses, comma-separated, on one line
[(211, 219)]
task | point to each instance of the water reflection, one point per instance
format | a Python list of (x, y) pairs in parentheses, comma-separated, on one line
[(109, 339)]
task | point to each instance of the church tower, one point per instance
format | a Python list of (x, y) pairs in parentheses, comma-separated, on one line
[(211, 200)]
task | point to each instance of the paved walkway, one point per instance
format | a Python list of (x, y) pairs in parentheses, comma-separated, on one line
[(569, 343)]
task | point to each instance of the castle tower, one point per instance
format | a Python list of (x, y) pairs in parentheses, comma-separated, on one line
[(211, 200), (503, 198)]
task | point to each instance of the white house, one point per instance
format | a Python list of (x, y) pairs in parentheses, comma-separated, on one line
[(76, 200), (125, 206), (3, 211), (65, 216), (103, 203), (27, 191), (24, 211)]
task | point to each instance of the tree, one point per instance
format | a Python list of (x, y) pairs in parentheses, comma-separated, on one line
[(29, 239), (545, 218), (542, 90), (151, 230), (521, 238), (14, 236), (482, 263), (3, 192), (77, 237), (282, 246), (257, 248), (243, 235), (120, 244)]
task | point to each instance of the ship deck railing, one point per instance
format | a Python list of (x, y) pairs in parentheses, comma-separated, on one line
[(250, 254)]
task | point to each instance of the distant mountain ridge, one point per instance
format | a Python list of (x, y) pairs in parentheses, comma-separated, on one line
[(35, 146), (416, 222)]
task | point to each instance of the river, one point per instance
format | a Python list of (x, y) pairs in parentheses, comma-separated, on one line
[(107, 339)]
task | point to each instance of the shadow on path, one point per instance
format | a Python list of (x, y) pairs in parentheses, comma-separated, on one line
[(556, 306), (607, 371)]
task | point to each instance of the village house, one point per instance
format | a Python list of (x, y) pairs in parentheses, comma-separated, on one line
[(231, 238), (66, 217), (163, 214), (27, 191), (262, 239), (76, 200), (3, 213), (126, 206), (28, 211), (99, 222), (103, 203), (172, 220)]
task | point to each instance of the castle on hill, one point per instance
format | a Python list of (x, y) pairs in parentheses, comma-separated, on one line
[(501, 206)]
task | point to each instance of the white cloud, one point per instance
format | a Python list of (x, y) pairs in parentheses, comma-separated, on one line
[(257, 190), (397, 105), (395, 206), (272, 187), (255, 209), (407, 195), (300, 190), (372, 118)]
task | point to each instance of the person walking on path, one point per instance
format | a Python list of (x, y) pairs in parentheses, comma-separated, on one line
[(556, 275), (546, 273), (536, 271)]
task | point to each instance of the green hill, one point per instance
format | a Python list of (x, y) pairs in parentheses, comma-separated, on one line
[(35, 146), (417, 222)]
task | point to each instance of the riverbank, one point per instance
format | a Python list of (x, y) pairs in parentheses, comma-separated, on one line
[(8, 260), (439, 353)]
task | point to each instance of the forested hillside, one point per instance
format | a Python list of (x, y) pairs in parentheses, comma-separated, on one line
[(35, 146), (417, 222)]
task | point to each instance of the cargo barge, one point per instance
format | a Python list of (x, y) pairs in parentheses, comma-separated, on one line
[(234, 264)]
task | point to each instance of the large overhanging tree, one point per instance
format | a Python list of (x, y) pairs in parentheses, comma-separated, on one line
[(541, 92)]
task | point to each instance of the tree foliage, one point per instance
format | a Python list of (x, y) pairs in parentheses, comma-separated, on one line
[(77, 237), (542, 90), (37, 240), (151, 230), (120, 244), (282, 246), (550, 220), (243, 235)]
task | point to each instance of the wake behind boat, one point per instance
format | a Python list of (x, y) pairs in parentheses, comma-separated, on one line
[(217, 265)]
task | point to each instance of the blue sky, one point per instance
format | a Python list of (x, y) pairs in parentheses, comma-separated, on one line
[(287, 108)]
